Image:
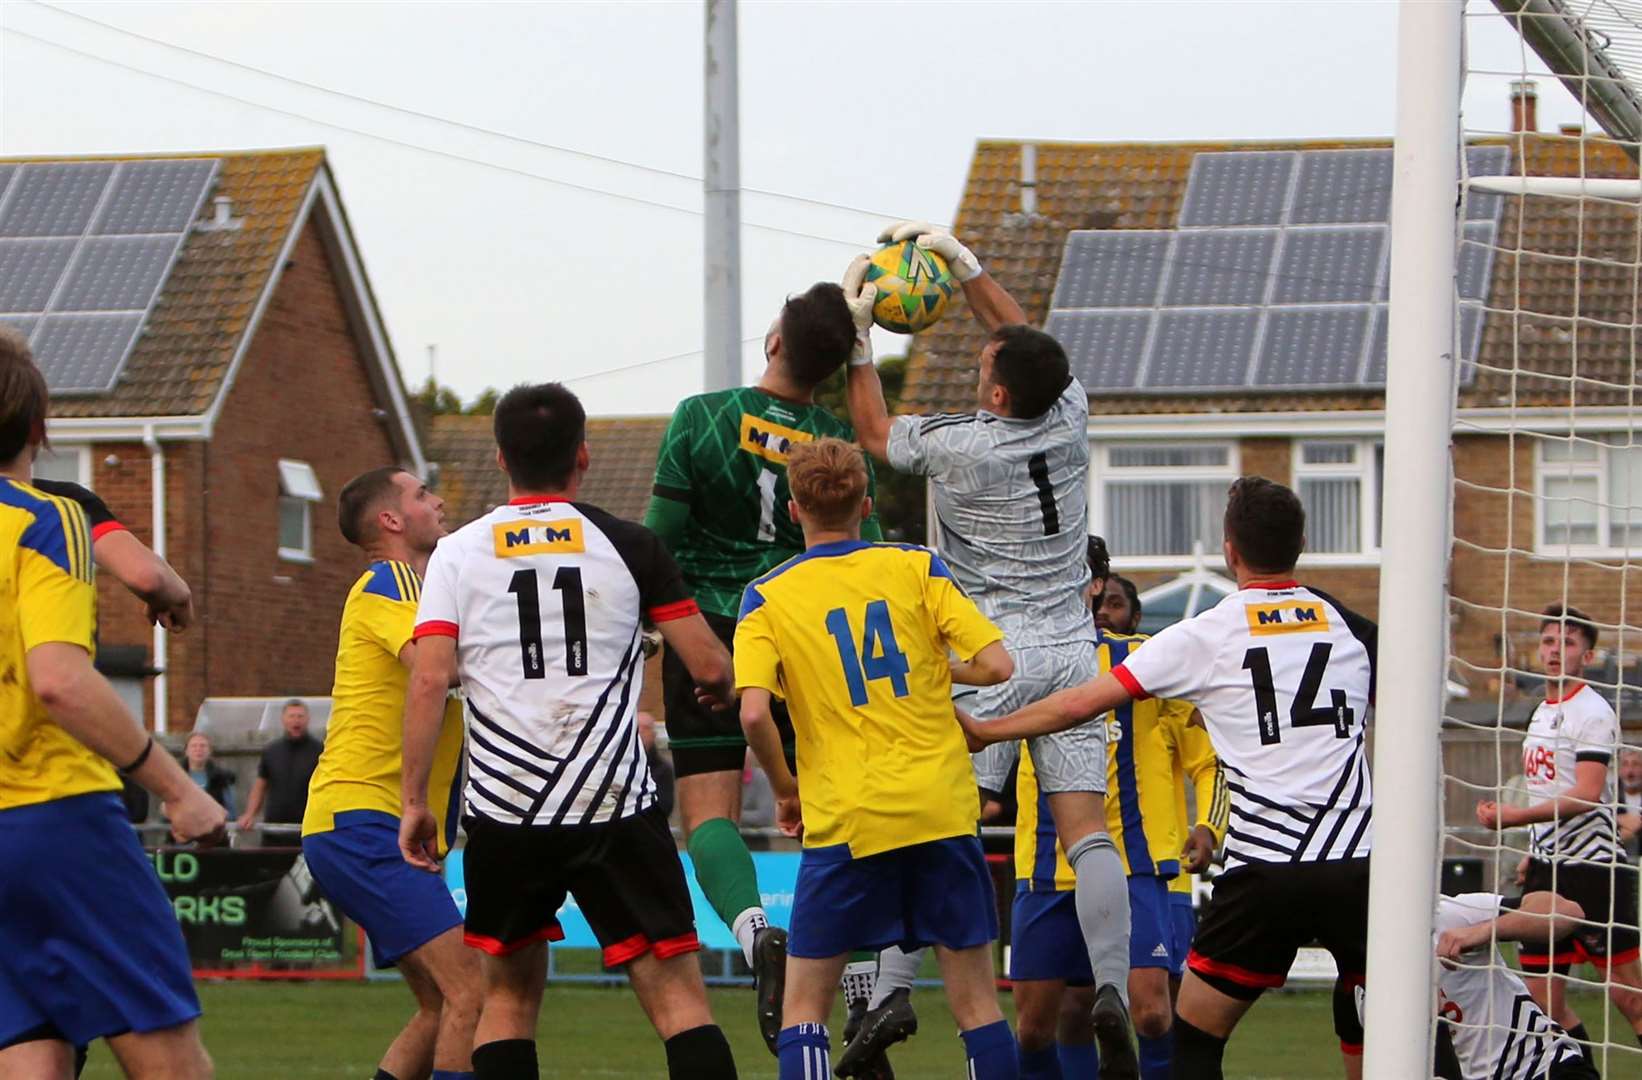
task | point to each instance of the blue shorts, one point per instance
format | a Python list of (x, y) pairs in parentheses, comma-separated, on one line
[(1151, 923), (1184, 917), (89, 946), (1045, 941), (934, 893), (358, 866)]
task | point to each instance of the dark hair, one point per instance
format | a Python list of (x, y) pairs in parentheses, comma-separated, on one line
[(1266, 523), (539, 428), (1032, 366), (1100, 560), (1130, 591), (24, 399), (1572, 617), (360, 499), (817, 333)]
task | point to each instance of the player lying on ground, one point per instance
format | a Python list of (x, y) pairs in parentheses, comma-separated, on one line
[(720, 506), (1567, 759), (855, 636), (1009, 483), (89, 946), (1297, 847), (1490, 1026), (540, 606), (350, 832)]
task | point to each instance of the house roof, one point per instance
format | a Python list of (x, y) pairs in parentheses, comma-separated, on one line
[(622, 451), (1539, 357)]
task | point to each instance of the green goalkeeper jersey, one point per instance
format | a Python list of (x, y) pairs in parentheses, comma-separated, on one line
[(725, 457)]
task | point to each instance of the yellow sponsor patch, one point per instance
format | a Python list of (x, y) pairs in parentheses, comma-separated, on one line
[(1287, 617), (768, 440), (530, 537)]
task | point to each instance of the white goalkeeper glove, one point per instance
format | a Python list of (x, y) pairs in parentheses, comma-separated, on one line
[(965, 266), (860, 297)]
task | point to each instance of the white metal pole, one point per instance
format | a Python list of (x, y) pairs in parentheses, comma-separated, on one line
[(721, 186), (1400, 1000), (162, 655)]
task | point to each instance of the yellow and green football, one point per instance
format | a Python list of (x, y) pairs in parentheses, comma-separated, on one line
[(913, 287)]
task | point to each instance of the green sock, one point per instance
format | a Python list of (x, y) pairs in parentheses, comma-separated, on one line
[(724, 868)]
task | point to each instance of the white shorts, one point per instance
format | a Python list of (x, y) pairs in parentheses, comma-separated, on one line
[(1071, 760)]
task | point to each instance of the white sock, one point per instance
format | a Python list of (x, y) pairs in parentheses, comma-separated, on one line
[(896, 970), (858, 979), (747, 924)]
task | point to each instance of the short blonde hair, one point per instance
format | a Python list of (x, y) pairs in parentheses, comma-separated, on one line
[(828, 479)]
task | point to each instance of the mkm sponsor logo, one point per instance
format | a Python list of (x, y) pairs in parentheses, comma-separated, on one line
[(1287, 617), (531, 537), (772, 442)]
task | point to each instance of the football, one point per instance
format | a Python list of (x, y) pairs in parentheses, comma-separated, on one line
[(913, 287)]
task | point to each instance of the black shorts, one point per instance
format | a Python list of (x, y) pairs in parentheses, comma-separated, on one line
[(1608, 896), (1262, 914), (625, 875), (704, 741)]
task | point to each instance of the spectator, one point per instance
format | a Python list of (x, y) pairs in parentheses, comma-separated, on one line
[(1630, 800), (217, 781), (661, 768), (282, 775)]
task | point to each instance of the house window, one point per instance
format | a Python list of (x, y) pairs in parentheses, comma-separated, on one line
[(298, 491), (67, 463), (1338, 481), (1163, 500), (1590, 494)]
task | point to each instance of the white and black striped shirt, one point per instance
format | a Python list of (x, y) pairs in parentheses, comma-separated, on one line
[(1283, 676), (545, 599), (1564, 732)]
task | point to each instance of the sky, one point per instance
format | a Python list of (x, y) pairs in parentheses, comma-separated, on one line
[(523, 178)]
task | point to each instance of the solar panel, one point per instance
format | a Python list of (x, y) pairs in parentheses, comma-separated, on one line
[(1220, 267), (1470, 340), (7, 172), (155, 197), (55, 199), (84, 353), (23, 324), (117, 273), (1485, 161), (1105, 347), (1342, 186), (1339, 265), (29, 272), (1111, 269), (1476, 260), (1309, 347), (1237, 188), (1201, 349)]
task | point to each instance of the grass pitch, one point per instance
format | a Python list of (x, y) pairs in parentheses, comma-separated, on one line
[(337, 1031)]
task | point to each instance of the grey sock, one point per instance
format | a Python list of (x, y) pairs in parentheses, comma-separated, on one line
[(1103, 909), (896, 970)]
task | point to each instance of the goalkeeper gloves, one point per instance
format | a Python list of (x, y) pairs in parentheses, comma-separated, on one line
[(860, 297), (965, 267)]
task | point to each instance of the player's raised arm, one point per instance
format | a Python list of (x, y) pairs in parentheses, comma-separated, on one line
[(991, 302), (869, 415), (1059, 711)]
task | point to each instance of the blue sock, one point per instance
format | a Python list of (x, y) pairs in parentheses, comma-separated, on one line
[(1079, 1061), (804, 1052), (451, 1074), (1040, 1064), (1155, 1055), (991, 1051)]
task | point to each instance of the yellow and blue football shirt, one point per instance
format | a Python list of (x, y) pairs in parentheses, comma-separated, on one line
[(1192, 756), (1140, 811), (855, 637), (361, 765), (45, 580)]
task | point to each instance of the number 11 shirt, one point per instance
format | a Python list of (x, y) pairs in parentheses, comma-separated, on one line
[(854, 635), (545, 599)]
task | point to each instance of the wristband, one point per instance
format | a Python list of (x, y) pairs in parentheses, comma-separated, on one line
[(148, 748)]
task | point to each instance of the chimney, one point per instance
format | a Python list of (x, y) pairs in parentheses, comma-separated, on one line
[(1029, 179), (1524, 105)]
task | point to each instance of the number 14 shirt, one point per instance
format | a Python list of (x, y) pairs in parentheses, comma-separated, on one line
[(854, 636), (545, 598), (1283, 676)]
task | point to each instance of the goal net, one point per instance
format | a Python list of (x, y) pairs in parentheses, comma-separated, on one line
[(1546, 515)]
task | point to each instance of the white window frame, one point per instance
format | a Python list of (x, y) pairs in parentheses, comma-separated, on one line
[(1601, 470), (298, 484), (1368, 491), (1101, 471), (82, 452)]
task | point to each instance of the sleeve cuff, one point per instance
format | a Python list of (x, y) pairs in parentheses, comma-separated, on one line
[(434, 628), (1130, 683), (678, 609), (1593, 755), (103, 529)]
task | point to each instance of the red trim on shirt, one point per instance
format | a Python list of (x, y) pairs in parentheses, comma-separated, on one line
[(536, 500), (1274, 585), (102, 530), (1351, 1049), (434, 628), (1543, 962), (625, 950), (1130, 683), (1231, 972), (1577, 685), (678, 609), (668, 948), (496, 947)]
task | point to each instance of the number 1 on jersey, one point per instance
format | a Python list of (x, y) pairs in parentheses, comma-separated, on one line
[(766, 505), (568, 580), (879, 655)]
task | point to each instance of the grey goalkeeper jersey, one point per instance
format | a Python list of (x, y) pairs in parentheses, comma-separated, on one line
[(1011, 511)]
